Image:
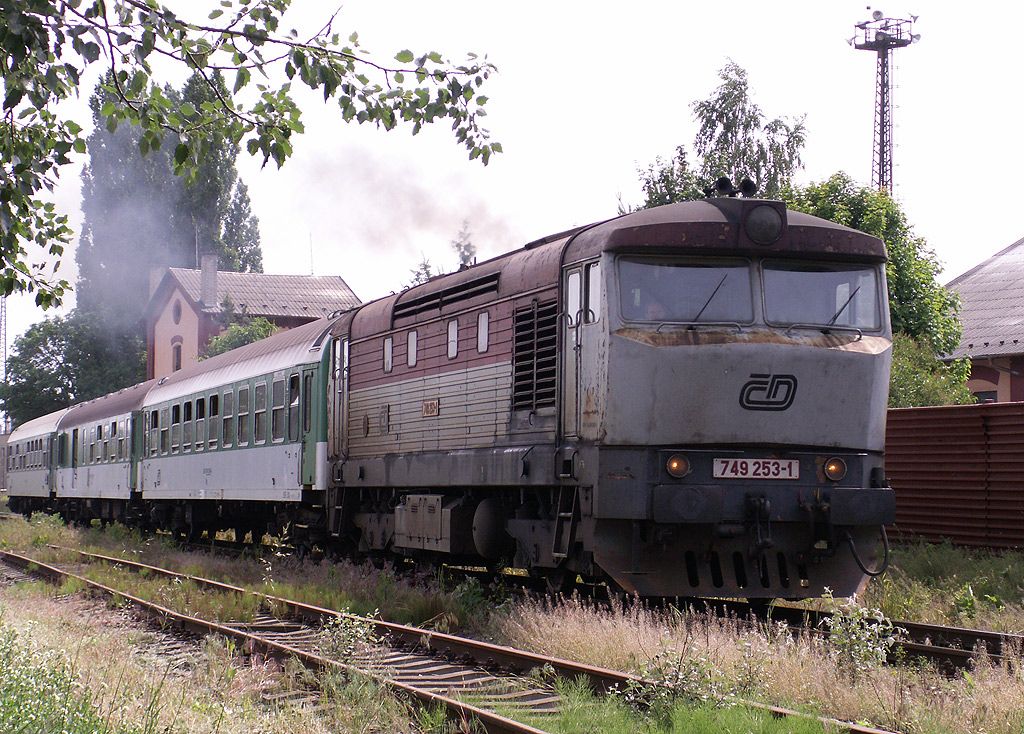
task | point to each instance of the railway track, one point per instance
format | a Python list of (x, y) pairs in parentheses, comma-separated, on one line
[(951, 648), (468, 677)]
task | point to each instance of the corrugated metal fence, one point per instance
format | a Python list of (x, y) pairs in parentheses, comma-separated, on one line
[(958, 473)]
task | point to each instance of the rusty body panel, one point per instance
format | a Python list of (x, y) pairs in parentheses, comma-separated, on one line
[(958, 473)]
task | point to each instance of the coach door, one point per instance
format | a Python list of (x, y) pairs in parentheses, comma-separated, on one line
[(310, 424), (337, 434)]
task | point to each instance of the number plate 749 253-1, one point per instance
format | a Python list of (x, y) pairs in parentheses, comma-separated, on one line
[(757, 469)]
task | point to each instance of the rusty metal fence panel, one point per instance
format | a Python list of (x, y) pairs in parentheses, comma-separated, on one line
[(958, 473)]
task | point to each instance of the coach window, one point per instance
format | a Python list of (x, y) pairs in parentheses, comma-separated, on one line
[(62, 450), (277, 418), (389, 348), (261, 411), (110, 445), (200, 424), (154, 432), (410, 349), (482, 335), (101, 445), (122, 440), (165, 434), (186, 429), (592, 301), (453, 339), (293, 407), (228, 422), (213, 425), (243, 416), (175, 428)]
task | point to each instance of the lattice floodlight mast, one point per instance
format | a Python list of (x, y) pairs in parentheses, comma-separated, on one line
[(882, 35)]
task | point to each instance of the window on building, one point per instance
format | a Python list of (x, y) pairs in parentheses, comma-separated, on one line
[(260, 412), (482, 335), (176, 357), (176, 312), (987, 396), (243, 416), (453, 338), (228, 422), (389, 348), (410, 349), (277, 418)]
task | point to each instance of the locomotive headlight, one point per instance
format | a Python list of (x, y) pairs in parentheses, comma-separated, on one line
[(764, 224), (677, 466), (835, 469)]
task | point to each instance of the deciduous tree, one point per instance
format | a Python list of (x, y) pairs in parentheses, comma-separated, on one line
[(65, 360), (46, 46)]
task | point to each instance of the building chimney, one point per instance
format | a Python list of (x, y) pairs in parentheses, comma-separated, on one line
[(208, 281), (155, 276)]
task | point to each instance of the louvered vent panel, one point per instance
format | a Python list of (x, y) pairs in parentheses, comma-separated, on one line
[(536, 341)]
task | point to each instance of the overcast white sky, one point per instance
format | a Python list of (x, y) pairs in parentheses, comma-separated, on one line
[(588, 91)]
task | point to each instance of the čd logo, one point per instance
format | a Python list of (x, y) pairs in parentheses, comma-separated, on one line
[(768, 392)]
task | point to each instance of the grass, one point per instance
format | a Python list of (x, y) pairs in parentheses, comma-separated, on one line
[(583, 713), (708, 660), (944, 584), (118, 675)]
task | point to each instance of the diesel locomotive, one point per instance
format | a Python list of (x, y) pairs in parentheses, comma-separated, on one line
[(688, 401)]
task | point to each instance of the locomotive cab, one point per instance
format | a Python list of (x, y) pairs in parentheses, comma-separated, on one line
[(724, 386)]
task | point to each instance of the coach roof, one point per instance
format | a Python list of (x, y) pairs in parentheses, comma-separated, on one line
[(298, 346), (126, 400), (36, 427)]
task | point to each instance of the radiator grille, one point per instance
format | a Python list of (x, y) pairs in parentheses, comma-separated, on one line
[(536, 338)]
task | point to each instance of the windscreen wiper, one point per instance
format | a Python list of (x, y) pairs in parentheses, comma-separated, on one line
[(708, 302), (842, 308)]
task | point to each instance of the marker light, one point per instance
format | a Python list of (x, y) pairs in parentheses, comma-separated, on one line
[(678, 466), (835, 469)]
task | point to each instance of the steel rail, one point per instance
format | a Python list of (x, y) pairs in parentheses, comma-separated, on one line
[(485, 654), (459, 711), (954, 647)]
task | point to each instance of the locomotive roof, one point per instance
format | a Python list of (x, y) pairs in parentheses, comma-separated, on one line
[(123, 401), (714, 225), (297, 346), (36, 427)]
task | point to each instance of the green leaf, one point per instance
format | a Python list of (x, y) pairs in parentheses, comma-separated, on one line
[(187, 109), (108, 108), (216, 14), (79, 145), (181, 153), (404, 57)]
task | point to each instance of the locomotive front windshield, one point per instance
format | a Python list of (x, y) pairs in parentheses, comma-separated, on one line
[(714, 291), (725, 291), (821, 295)]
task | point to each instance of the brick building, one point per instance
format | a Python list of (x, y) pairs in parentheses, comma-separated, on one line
[(992, 314), (184, 310)]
